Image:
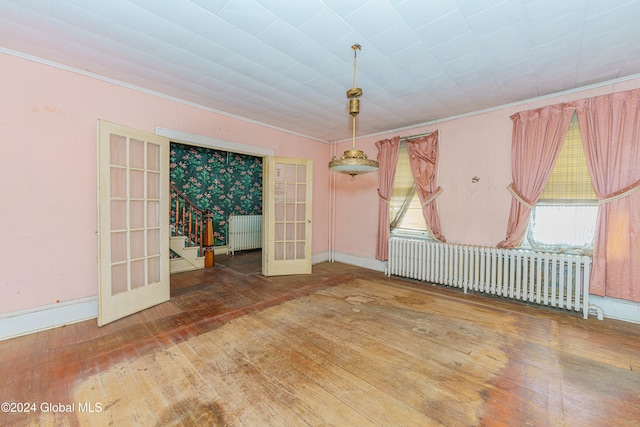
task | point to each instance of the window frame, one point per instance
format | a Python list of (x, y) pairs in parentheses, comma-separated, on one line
[(533, 242), (569, 171), (400, 230)]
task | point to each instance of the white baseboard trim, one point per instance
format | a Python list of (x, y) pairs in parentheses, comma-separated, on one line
[(368, 263), (319, 257), (220, 250), (37, 319), (614, 308)]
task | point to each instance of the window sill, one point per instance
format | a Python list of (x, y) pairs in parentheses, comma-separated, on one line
[(414, 234)]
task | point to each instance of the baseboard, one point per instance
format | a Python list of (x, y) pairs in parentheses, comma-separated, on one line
[(220, 250), (368, 263), (614, 308), (319, 257), (37, 319)]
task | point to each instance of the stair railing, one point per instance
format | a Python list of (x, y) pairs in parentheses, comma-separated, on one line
[(191, 222)]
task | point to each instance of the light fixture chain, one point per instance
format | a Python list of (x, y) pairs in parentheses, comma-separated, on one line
[(353, 162), (355, 48), (353, 135)]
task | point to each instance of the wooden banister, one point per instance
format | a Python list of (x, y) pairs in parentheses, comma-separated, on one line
[(191, 222), (208, 240)]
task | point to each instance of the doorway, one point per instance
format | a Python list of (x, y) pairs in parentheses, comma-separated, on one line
[(199, 141)]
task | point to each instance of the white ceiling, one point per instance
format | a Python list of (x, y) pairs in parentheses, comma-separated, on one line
[(288, 63)]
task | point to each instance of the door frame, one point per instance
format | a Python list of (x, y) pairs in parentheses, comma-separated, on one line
[(216, 144)]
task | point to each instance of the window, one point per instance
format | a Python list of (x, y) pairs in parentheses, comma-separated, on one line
[(405, 210), (564, 218)]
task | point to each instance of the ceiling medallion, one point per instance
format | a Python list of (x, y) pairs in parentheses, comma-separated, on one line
[(353, 162)]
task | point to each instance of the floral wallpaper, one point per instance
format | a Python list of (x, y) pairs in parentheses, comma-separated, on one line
[(221, 181)]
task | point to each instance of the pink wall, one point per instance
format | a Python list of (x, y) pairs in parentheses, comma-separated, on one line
[(48, 116), (48, 175), (476, 145)]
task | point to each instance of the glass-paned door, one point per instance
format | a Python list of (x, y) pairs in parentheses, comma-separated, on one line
[(287, 216), (133, 212)]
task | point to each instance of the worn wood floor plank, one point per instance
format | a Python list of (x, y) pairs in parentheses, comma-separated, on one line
[(243, 390), (535, 391), (357, 395), (416, 381), (420, 333), (389, 375), (252, 388), (342, 346), (346, 377), (276, 368)]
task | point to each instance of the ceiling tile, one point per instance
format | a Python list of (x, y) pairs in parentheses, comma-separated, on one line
[(394, 38), (247, 15), (209, 50), (473, 7), (289, 66), (496, 18), (300, 73), (344, 8), (411, 56), (169, 10), (282, 36), (443, 29), (416, 13), (244, 44), (294, 16), (454, 48), (213, 6), (371, 24), (325, 27), (203, 23), (310, 54), (596, 8)]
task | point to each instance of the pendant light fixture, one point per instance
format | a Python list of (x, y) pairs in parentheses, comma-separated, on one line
[(353, 162)]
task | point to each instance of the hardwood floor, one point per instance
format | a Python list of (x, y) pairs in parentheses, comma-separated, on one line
[(344, 346)]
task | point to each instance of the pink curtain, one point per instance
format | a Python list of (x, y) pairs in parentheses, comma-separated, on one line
[(388, 160), (610, 128), (537, 138), (423, 155)]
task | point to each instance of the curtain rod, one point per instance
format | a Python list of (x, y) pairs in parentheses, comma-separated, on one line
[(409, 138)]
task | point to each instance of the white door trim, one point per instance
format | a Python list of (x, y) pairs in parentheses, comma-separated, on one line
[(216, 144)]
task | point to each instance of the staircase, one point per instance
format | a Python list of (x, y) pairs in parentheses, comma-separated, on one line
[(190, 258), (191, 234)]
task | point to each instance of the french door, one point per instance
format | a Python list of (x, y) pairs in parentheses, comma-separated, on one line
[(133, 221), (286, 216)]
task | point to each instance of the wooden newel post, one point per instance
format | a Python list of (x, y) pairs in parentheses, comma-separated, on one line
[(208, 240)]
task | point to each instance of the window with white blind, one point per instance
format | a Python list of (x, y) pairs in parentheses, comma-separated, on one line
[(405, 210), (564, 219)]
